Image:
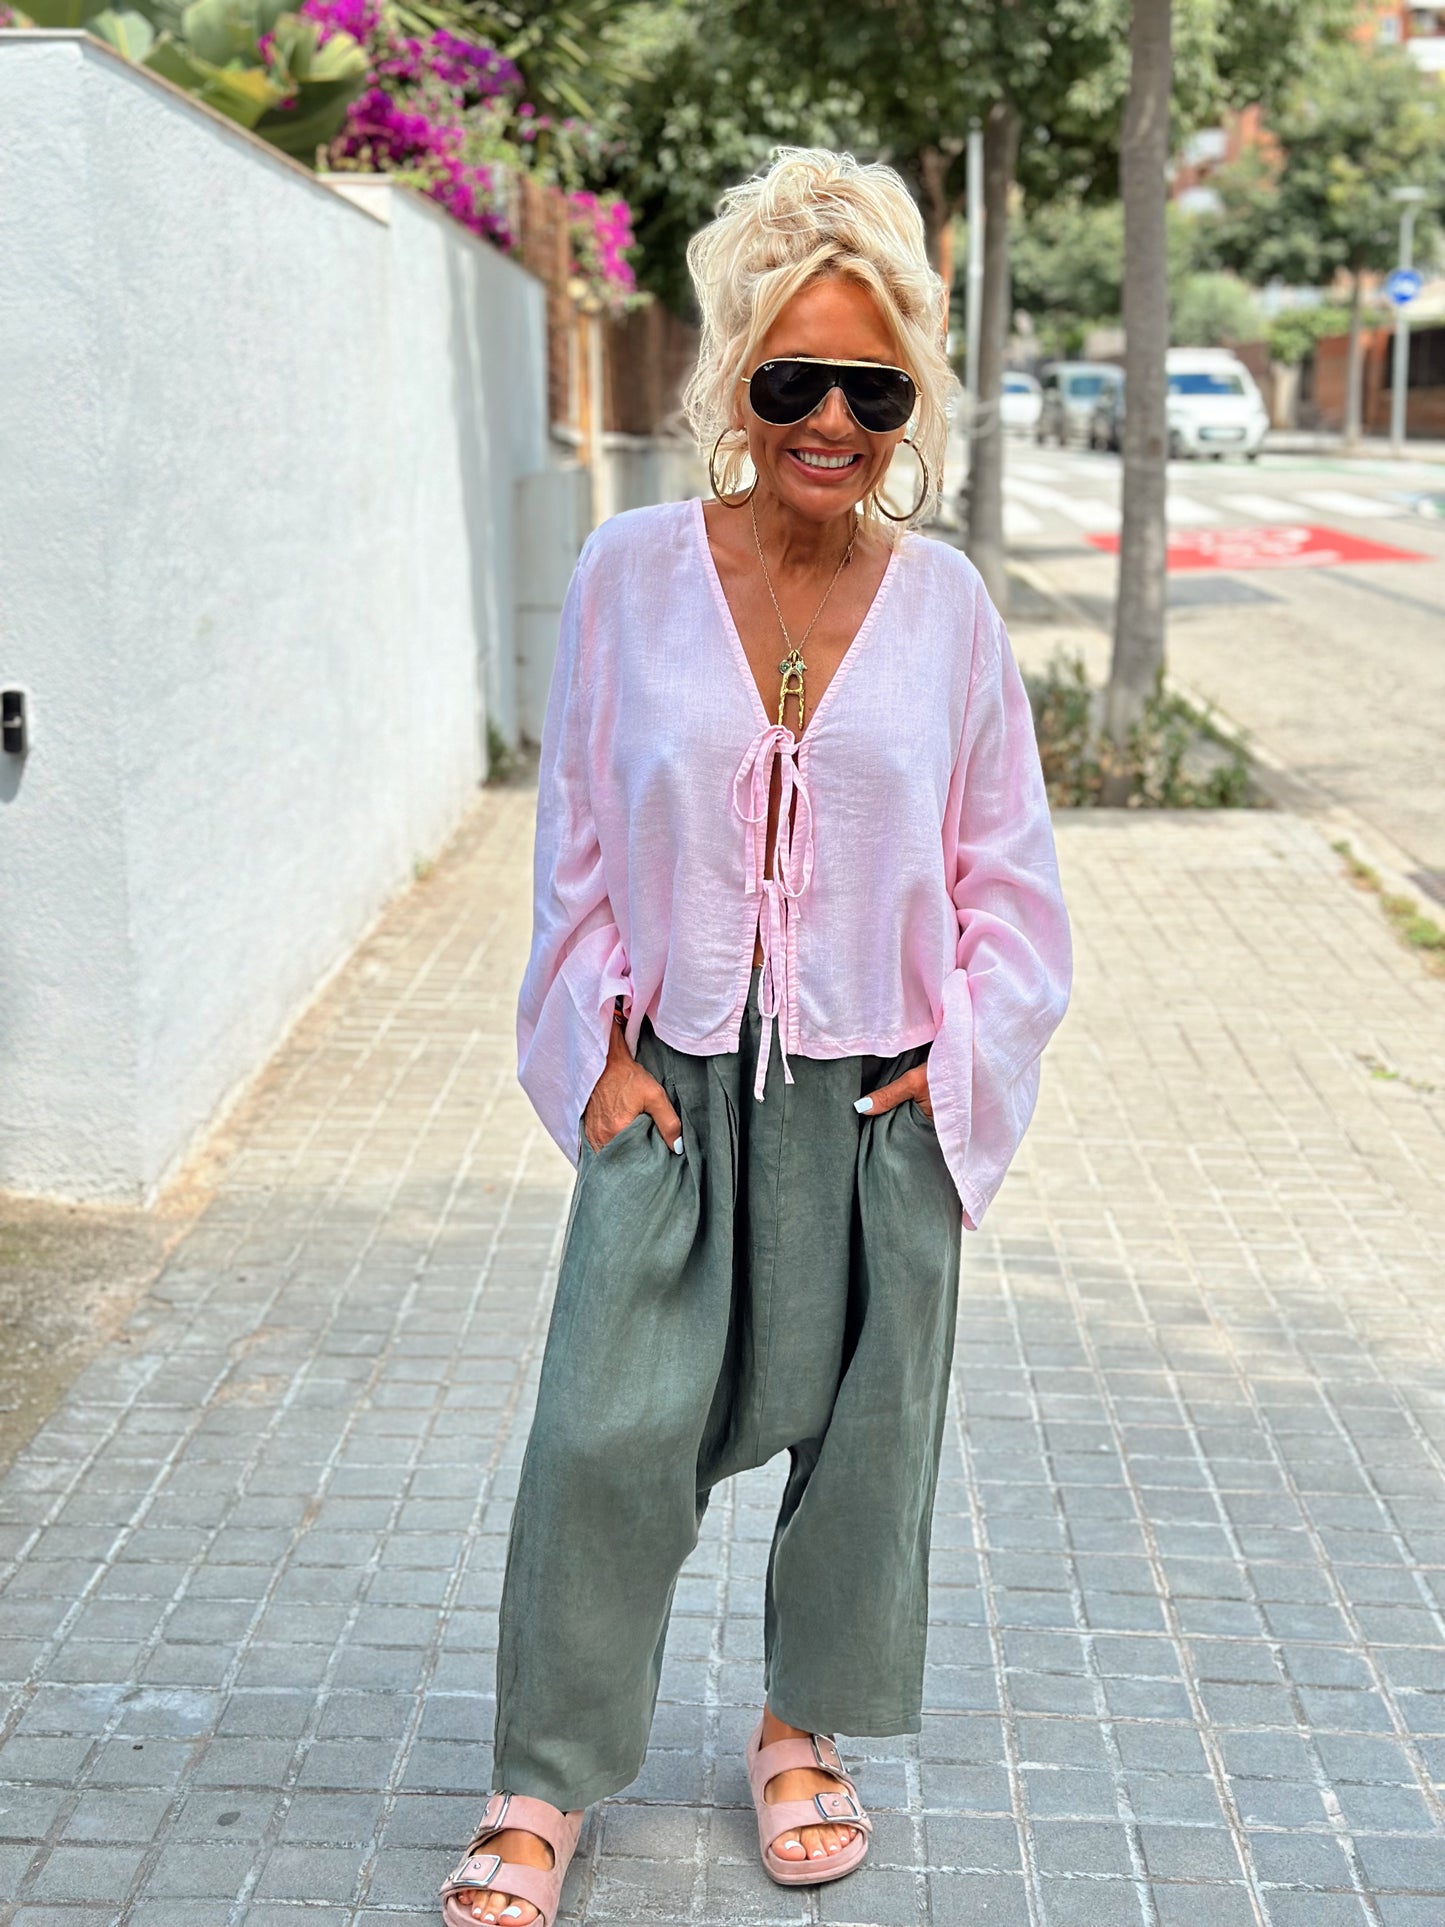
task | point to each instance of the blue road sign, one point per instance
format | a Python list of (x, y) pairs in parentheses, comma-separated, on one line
[(1403, 285)]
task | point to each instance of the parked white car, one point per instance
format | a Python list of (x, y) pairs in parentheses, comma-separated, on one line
[(1214, 407), (1021, 402)]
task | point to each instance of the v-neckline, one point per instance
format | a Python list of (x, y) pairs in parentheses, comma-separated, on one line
[(730, 627)]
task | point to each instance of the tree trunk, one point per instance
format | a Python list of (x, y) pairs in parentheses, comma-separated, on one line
[(1139, 609), (939, 204), (1354, 368), (985, 455)]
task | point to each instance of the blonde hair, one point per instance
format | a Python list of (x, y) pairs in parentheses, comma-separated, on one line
[(814, 213)]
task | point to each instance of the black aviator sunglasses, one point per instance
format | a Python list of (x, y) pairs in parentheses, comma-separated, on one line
[(879, 398)]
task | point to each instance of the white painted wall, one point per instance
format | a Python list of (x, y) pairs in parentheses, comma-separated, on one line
[(259, 450)]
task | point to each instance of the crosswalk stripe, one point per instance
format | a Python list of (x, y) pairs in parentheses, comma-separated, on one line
[(1264, 508), (1017, 520), (1343, 501), (1034, 492), (1095, 518), (1185, 512), (1037, 471)]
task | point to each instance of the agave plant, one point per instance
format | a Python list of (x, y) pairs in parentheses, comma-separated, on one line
[(253, 61)]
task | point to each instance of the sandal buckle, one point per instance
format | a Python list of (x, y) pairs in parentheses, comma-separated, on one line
[(485, 1874), (830, 1805), (487, 1824), (835, 1765)]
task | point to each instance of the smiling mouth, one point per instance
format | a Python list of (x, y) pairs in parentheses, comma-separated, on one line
[(818, 463)]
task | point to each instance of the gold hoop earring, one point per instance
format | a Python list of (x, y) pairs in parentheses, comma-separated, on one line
[(743, 501), (927, 491)]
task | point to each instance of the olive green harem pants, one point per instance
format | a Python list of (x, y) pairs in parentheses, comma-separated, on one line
[(789, 1283)]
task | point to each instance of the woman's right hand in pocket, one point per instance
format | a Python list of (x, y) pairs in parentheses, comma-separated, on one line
[(623, 1092)]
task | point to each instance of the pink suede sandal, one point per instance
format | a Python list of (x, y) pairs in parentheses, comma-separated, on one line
[(481, 1871), (843, 1808)]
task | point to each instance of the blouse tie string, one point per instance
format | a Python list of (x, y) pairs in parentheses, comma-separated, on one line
[(792, 870)]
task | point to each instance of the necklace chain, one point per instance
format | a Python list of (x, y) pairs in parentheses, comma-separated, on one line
[(792, 666)]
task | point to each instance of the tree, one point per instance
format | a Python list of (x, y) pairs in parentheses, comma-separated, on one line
[(1317, 203), (1143, 159), (1230, 52), (1209, 310), (1066, 263)]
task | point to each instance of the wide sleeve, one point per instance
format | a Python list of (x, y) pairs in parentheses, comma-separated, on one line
[(578, 962), (1014, 963)]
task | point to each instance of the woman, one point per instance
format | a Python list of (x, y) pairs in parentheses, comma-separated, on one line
[(788, 779)]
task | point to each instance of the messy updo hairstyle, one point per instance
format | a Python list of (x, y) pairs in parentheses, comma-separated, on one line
[(810, 214)]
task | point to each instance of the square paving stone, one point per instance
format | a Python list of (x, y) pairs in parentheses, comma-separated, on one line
[(643, 1890), (1278, 1803), (152, 1763), (965, 1789), (28, 1813), (1073, 1847), (1384, 1809), (1316, 1910), (1209, 1906), (54, 1760), (223, 1815), (431, 1820), (874, 1899), (332, 1819), (244, 1763), (990, 1846), (649, 1832), (1189, 1853), (1299, 1859), (346, 1764), (977, 1900), (193, 1872), (1412, 1864), (309, 1873), (86, 1873), (1090, 1903), (116, 1814), (410, 1876), (1069, 1791)]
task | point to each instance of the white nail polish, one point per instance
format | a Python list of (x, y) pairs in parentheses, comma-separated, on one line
[(510, 1913), (678, 1147), (863, 1104)]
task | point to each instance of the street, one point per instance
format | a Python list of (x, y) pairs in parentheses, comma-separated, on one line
[(1339, 671)]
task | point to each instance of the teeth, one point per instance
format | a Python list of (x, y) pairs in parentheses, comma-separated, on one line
[(823, 461)]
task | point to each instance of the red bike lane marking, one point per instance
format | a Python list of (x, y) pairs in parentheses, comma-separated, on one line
[(1291, 545)]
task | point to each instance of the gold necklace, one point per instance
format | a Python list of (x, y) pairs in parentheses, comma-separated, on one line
[(792, 665)]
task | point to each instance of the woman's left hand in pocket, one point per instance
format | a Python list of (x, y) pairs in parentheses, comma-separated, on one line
[(888, 1097)]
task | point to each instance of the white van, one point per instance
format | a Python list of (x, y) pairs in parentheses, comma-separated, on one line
[(1214, 407)]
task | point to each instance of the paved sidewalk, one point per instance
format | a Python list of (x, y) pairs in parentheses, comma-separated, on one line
[(1187, 1662)]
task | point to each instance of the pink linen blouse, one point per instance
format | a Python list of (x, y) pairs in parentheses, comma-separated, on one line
[(915, 893)]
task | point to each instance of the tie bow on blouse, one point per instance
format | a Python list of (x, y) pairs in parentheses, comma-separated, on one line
[(792, 872)]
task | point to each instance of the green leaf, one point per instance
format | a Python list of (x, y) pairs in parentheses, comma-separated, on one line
[(297, 44), (130, 34), (241, 94), (219, 31), (315, 119), (64, 13)]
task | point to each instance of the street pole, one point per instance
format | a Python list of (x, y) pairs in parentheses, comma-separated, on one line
[(1409, 199), (973, 287)]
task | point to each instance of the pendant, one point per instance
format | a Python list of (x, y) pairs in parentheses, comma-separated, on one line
[(792, 667)]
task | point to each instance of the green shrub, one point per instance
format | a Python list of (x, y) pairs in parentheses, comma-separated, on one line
[(1176, 757)]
